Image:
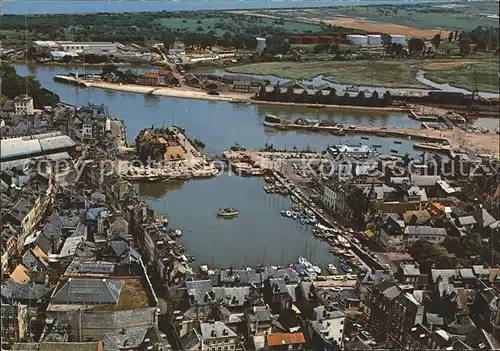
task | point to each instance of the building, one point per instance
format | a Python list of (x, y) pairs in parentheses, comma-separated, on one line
[(14, 322), (23, 105), (95, 306), (178, 48), (78, 47), (242, 86), (35, 145), (261, 45), (398, 39), (374, 39), (329, 324), (392, 311), (433, 235), (213, 336), (285, 341), (350, 160), (358, 40)]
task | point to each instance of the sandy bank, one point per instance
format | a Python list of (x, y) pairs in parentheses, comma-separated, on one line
[(189, 93)]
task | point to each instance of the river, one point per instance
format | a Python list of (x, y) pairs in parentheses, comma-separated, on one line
[(259, 232), (74, 6)]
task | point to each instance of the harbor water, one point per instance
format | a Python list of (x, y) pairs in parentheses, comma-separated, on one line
[(259, 233)]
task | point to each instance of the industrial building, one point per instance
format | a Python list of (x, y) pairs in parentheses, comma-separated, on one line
[(398, 39), (261, 45), (359, 40), (77, 47), (34, 146), (374, 39)]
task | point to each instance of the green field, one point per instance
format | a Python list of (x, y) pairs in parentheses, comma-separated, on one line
[(390, 74), (465, 16), (376, 73), (486, 73)]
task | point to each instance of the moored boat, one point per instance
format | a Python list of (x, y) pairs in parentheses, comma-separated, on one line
[(227, 212), (332, 269), (271, 120)]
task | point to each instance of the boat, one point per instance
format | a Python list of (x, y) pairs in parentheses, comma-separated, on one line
[(346, 268), (268, 179), (271, 120), (394, 151), (283, 213), (376, 145), (302, 221), (294, 215), (289, 213), (178, 232), (308, 267), (294, 199), (332, 269), (299, 269), (316, 269), (335, 251), (203, 268), (397, 142), (227, 212), (365, 138)]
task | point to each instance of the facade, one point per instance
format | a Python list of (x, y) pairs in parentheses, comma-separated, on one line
[(87, 126), (77, 47), (392, 311), (330, 323), (398, 39), (261, 45), (217, 336), (23, 105), (35, 145), (374, 39), (359, 40), (14, 322), (242, 86)]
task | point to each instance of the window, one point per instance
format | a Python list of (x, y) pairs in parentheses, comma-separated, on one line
[(341, 322), (226, 341), (340, 331)]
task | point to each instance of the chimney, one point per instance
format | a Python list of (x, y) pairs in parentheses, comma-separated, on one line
[(230, 271), (124, 331)]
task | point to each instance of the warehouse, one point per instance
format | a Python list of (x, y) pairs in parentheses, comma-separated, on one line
[(359, 40), (36, 145)]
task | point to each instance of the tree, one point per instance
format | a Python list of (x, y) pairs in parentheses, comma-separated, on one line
[(375, 98), (472, 244), (450, 36), (436, 40), (428, 254), (250, 42), (456, 35), (416, 45), (387, 97), (452, 244), (464, 45), (168, 39)]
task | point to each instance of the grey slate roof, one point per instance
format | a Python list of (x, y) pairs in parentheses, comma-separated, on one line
[(124, 339), (216, 330), (424, 230), (15, 291), (259, 314), (466, 220), (484, 218), (410, 270), (232, 297), (320, 312), (200, 292), (467, 273), (87, 291)]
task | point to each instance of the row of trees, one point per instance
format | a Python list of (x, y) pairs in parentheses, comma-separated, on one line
[(319, 98), (14, 85)]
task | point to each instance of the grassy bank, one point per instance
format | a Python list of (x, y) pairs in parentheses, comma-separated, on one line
[(391, 74), (377, 73), (464, 76)]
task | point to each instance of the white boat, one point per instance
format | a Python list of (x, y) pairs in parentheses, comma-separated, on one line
[(203, 268), (289, 213), (316, 269), (178, 232), (308, 267)]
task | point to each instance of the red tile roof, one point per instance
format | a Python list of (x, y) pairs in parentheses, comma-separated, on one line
[(285, 339)]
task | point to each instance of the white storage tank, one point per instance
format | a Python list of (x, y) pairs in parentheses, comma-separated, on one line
[(374, 39), (398, 39), (359, 40)]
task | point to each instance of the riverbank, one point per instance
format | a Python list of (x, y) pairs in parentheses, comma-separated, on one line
[(190, 93)]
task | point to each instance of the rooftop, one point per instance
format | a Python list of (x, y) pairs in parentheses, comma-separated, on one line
[(285, 339), (216, 330)]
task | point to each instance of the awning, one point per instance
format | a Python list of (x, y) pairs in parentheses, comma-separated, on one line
[(369, 233)]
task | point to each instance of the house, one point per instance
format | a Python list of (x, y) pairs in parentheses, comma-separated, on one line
[(242, 86), (390, 235), (87, 127), (210, 336), (392, 310), (408, 274), (326, 329), (14, 322), (259, 324), (148, 338), (23, 105), (285, 341), (433, 235)]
